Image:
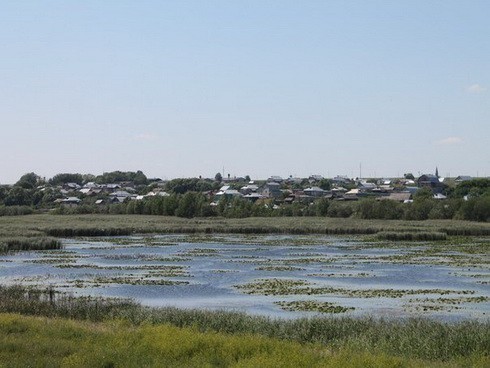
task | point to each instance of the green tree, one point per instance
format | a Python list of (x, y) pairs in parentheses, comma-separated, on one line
[(325, 184), (422, 194), (474, 188), (218, 177), (28, 181), (189, 205), (64, 178), (18, 196)]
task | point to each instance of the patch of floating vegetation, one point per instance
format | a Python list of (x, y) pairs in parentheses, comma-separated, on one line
[(442, 304), (423, 258), (306, 260), (306, 254), (200, 252), (57, 252), (131, 280), (249, 239), (136, 242), (452, 301), (224, 271), (51, 260), (161, 270), (35, 278), (145, 257), (356, 275), (313, 306), (473, 275), (302, 287), (111, 247), (279, 268)]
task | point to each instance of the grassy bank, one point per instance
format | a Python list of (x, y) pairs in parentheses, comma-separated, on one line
[(415, 340), (98, 225), (38, 232)]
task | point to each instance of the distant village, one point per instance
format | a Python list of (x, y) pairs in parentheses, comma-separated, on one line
[(279, 190)]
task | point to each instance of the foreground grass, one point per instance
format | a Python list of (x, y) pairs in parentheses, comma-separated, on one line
[(315, 341), (36, 342)]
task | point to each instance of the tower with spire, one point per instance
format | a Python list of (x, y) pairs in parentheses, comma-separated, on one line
[(437, 172)]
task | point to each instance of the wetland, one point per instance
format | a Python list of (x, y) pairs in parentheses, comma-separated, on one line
[(273, 275)]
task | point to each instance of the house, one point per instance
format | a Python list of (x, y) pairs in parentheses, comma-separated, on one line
[(275, 179), (397, 196), (110, 187), (341, 180), (315, 178), (227, 191), (430, 181), (157, 193), (314, 192), (462, 178), (338, 192), (365, 186), (120, 195), (352, 195), (384, 181), (70, 202), (248, 189), (71, 186), (295, 180), (439, 196), (253, 197), (271, 190)]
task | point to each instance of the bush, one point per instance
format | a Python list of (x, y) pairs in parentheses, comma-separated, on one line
[(475, 209), (340, 209), (15, 210)]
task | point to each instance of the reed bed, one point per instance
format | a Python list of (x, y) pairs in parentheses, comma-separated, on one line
[(64, 224), (29, 243), (410, 236), (413, 338)]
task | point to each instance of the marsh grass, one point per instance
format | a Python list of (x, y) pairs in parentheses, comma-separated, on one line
[(97, 225), (412, 338), (29, 243), (411, 236)]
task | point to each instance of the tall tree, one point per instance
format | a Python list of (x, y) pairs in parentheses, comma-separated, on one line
[(28, 181)]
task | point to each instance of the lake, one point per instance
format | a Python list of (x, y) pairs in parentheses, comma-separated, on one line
[(279, 276)]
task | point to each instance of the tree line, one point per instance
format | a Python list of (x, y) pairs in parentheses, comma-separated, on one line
[(192, 197), (193, 204)]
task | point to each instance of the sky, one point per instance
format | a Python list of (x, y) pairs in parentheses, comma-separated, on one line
[(259, 88)]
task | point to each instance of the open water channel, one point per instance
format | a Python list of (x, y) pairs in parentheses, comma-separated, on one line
[(278, 276)]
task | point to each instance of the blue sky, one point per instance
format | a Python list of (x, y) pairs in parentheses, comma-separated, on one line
[(185, 88)]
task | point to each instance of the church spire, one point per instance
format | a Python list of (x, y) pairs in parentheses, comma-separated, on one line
[(437, 172)]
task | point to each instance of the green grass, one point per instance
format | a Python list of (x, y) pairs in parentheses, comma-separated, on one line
[(31, 227), (48, 342), (405, 340)]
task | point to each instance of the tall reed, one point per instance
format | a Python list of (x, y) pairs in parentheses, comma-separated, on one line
[(421, 338)]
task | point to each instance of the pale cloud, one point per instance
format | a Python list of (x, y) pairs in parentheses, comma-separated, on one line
[(476, 88), (146, 137), (449, 141)]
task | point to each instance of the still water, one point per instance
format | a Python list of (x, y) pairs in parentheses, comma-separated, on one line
[(303, 275)]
